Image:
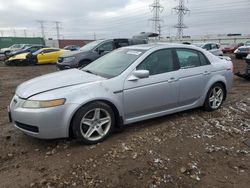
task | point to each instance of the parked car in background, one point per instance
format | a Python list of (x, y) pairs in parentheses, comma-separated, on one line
[(247, 43), (93, 51), (27, 49), (14, 47), (72, 47), (242, 51), (214, 48), (42, 56), (128, 85), (231, 48), (246, 74)]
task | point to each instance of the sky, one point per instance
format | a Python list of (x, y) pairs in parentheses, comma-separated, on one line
[(89, 19)]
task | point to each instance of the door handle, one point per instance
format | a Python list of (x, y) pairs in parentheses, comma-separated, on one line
[(206, 72), (172, 80)]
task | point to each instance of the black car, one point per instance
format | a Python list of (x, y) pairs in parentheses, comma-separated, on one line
[(72, 47), (93, 51), (242, 51), (246, 74), (30, 49)]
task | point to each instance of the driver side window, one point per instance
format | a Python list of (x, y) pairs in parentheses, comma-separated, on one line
[(158, 62)]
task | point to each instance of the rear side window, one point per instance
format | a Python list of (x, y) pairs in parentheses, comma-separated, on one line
[(50, 50), (188, 58), (203, 59)]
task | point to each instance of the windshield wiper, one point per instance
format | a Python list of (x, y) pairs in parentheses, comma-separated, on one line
[(89, 71)]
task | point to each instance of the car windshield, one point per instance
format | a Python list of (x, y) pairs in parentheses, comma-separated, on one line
[(247, 43), (114, 63), (91, 45), (16, 46)]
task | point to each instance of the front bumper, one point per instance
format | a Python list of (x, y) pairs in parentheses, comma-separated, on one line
[(43, 123), (62, 66)]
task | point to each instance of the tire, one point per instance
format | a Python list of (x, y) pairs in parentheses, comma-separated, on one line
[(83, 63), (238, 57), (6, 53), (214, 98), (93, 123)]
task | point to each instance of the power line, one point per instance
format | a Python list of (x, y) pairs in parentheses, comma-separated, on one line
[(156, 8), (181, 10)]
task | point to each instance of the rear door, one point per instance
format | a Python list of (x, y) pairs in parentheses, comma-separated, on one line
[(194, 73), (156, 93)]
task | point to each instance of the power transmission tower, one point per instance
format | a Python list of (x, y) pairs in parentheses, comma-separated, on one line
[(58, 29), (181, 10), (156, 8), (41, 22), (14, 32)]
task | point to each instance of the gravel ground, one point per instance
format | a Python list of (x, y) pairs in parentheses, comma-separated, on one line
[(188, 149)]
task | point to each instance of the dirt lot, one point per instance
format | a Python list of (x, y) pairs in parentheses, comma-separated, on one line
[(189, 149)]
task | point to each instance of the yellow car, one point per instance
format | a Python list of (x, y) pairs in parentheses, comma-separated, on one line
[(45, 55), (42, 56)]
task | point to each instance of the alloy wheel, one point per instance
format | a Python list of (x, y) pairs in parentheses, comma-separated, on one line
[(216, 97), (95, 124)]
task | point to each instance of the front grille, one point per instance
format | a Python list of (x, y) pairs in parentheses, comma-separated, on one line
[(60, 59), (27, 127)]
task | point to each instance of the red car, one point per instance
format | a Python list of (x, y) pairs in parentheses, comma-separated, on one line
[(231, 48)]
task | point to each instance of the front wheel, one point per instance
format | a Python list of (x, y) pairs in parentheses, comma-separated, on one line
[(83, 63), (93, 123), (215, 97)]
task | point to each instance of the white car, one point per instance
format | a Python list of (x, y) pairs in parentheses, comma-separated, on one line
[(127, 85), (214, 48)]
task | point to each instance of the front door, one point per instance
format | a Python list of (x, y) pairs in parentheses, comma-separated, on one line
[(156, 93)]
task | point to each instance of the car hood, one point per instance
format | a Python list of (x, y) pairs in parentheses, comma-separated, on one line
[(74, 53), (19, 56), (4, 49), (55, 81)]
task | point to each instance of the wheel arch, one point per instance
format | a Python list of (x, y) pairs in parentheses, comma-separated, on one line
[(118, 117)]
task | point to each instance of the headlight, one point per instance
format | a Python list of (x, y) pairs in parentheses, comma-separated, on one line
[(68, 59), (43, 104)]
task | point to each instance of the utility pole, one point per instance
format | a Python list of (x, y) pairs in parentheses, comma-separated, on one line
[(94, 36), (41, 22), (57, 29), (156, 8), (25, 33), (14, 32), (181, 10), (159, 30)]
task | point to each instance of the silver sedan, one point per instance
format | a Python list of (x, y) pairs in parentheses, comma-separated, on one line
[(128, 85)]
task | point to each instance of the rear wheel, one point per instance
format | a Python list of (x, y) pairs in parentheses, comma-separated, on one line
[(93, 123), (215, 97)]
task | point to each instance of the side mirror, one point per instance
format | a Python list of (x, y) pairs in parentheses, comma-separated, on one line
[(139, 74)]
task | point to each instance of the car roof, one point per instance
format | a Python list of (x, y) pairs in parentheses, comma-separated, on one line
[(161, 44), (50, 48)]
